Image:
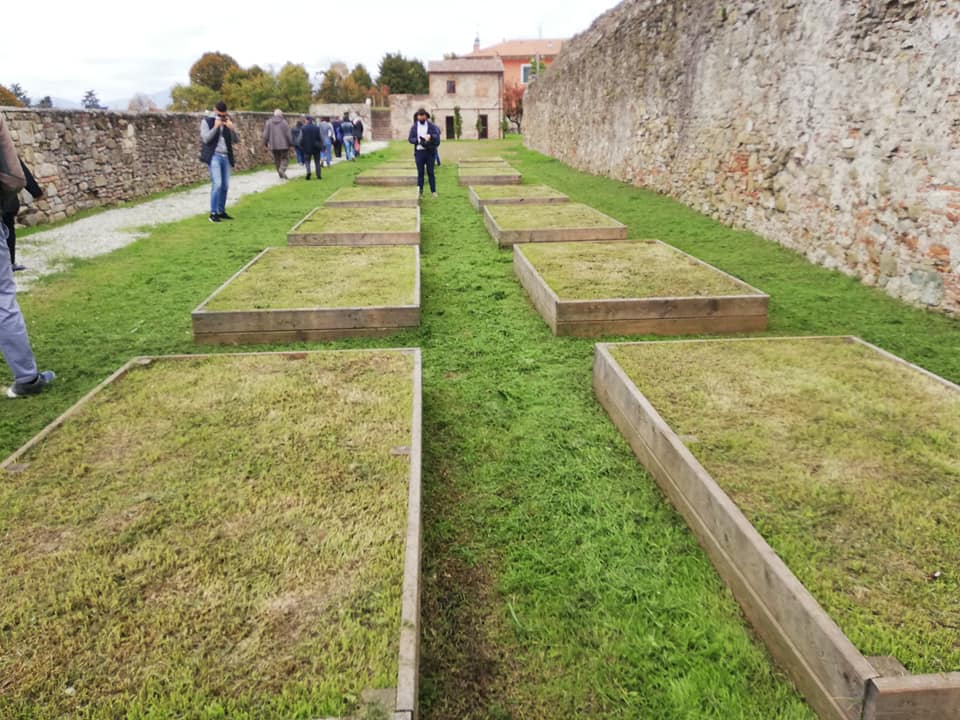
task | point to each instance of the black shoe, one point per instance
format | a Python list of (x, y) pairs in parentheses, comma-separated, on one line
[(33, 387), (308, 176), (214, 217), (16, 267), (224, 216)]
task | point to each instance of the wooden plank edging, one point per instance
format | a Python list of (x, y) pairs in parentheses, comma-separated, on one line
[(806, 642)]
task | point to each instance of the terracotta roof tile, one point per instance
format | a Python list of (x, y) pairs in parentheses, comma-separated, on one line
[(466, 65), (521, 48)]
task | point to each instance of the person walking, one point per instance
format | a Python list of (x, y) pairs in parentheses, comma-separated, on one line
[(217, 137), (14, 341), (10, 206), (346, 131), (312, 145), (277, 138), (337, 137), (425, 137), (358, 132), (326, 133), (295, 137)]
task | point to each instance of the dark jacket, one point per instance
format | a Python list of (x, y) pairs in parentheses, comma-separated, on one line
[(346, 129), (207, 149), (358, 129), (10, 201), (310, 140), (434, 135)]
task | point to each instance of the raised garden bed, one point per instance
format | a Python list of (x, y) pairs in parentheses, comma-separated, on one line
[(314, 293), (372, 196), (389, 176), (641, 286), (821, 476), (482, 160), (481, 195), (358, 226), (234, 535), (479, 174), (511, 224)]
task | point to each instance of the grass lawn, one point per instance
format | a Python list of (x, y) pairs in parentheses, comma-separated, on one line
[(852, 485), (495, 192), (372, 194), (633, 269), (557, 580), (318, 277), (198, 538)]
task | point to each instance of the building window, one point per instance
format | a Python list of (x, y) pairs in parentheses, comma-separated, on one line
[(525, 73), (451, 87)]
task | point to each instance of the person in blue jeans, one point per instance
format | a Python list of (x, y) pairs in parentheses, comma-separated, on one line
[(14, 342), (346, 131), (217, 136), (425, 137)]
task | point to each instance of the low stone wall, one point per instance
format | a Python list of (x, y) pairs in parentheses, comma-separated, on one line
[(831, 127), (85, 159)]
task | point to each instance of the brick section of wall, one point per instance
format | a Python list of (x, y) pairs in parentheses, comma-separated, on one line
[(85, 159), (831, 127)]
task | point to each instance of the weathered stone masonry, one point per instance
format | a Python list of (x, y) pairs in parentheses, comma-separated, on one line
[(830, 126), (85, 159)]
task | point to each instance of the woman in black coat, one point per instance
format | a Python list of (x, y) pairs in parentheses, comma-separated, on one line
[(425, 137)]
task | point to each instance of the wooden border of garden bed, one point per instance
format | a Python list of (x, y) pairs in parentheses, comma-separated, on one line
[(644, 316), (241, 327), (478, 178), (479, 203), (836, 679), (506, 238), (482, 160), (408, 673), (358, 239), (412, 201), (385, 180)]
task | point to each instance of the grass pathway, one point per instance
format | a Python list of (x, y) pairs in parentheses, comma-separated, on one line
[(557, 581)]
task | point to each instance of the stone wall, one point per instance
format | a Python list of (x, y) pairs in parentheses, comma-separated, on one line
[(85, 159), (830, 126)]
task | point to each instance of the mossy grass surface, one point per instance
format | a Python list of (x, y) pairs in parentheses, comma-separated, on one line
[(372, 193), (492, 192), (632, 269), (389, 172), (487, 170), (856, 487), (323, 277), (557, 581), (360, 220), (211, 537), (543, 217)]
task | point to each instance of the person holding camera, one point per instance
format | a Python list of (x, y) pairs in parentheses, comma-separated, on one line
[(425, 137), (217, 136)]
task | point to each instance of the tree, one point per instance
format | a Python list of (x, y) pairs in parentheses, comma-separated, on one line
[(331, 87), (293, 88), (457, 122), (141, 103), (8, 98), (212, 69), (91, 101), (513, 103), (21, 94), (191, 98), (45, 102), (361, 77), (402, 75)]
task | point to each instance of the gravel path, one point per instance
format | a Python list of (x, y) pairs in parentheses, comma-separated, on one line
[(49, 251)]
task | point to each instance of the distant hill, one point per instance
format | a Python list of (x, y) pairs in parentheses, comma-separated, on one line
[(62, 104), (161, 99)]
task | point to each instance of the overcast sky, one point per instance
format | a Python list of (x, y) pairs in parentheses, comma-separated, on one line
[(63, 48)]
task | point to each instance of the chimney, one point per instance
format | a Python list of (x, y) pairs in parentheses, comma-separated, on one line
[(476, 43)]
